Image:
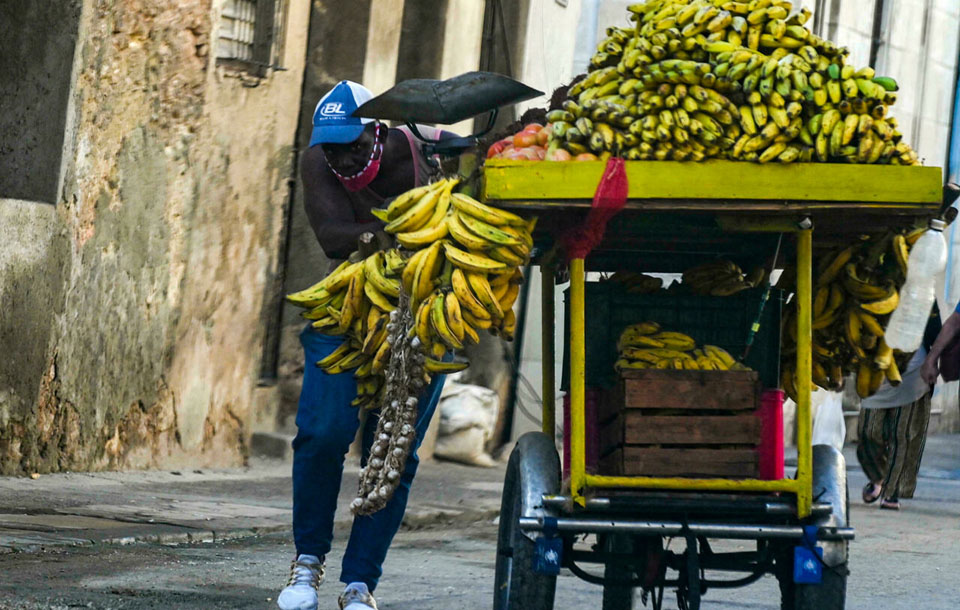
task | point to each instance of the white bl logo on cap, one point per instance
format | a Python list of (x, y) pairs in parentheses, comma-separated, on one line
[(332, 109), (333, 120)]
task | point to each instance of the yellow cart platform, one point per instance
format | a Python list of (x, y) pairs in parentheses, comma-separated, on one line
[(675, 214)]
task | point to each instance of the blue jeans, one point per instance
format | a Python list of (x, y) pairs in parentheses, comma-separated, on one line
[(326, 425)]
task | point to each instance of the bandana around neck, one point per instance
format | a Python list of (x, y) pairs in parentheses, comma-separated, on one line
[(365, 176)]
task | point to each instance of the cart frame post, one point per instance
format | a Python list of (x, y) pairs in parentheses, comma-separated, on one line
[(548, 355), (804, 364), (578, 467)]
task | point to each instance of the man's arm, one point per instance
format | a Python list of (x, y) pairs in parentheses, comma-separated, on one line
[(329, 209), (931, 365)]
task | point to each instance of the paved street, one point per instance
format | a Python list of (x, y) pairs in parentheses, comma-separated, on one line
[(442, 559)]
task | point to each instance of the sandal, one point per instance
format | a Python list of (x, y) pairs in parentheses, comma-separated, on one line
[(871, 492), (890, 504)]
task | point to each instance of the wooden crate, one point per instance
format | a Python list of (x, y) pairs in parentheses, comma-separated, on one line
[(681, 423)]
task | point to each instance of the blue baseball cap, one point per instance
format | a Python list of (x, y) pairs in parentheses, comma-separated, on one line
[(333, 122)]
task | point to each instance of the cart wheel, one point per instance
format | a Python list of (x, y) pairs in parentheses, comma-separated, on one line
[(516, 585), (831, 593), (618, 597)]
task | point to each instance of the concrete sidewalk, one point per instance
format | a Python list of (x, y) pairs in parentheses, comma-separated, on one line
[(211, 505)]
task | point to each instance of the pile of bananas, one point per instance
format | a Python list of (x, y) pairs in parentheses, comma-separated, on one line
[(460, 265), (646, 346), (721, 278), (856, 290), (697, 79), (637, 283)]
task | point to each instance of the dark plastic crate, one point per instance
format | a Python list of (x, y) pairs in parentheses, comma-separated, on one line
[(721, 321)]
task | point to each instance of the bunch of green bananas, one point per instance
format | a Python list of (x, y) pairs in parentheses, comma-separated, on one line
[(696, 79), (721, 278), (460, 266), (637, 283), (856, 290), (645, 346)]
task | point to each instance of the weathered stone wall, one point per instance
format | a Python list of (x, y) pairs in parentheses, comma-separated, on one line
[(170, 215)]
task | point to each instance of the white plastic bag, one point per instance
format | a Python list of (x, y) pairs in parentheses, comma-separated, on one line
[(828, 425), (468, 414)]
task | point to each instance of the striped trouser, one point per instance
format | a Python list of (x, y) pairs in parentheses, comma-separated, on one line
[(891, 445)]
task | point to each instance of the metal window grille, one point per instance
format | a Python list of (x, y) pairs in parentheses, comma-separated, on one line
[(237, 30), (252, 33)]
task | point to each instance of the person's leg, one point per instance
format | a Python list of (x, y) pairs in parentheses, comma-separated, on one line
[(912, 437), (871, 451), (371, 535), (326, 425), (896, 451)]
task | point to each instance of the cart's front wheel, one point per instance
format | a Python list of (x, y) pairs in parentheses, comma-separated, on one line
[(516, 585)]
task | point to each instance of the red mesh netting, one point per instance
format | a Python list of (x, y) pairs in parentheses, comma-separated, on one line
[(608, 200)]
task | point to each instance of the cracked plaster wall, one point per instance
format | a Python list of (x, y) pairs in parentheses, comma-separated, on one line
[(139, 306)]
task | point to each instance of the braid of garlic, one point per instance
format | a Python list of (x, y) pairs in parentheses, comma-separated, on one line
[(396, 430)]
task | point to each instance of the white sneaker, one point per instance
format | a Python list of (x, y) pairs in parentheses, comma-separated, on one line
[(300, 593), (357, 597)]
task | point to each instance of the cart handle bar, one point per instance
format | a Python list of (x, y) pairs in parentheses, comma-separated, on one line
[(675, 528), (559, 502)]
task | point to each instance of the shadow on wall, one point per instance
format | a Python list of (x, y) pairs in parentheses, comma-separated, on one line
[(33, 263)]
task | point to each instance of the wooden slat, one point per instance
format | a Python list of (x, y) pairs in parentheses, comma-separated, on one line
[(669, 389), (639, 429), (719, 180), (634, 461)]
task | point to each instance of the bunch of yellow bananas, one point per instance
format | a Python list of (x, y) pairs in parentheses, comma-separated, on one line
[(696, 79), (645, 346), (462, 276), (466, 276), (721, 278), (355, 301), (856, 290), (637, 283)]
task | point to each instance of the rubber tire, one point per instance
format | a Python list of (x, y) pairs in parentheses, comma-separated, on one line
[(614, 597), (830, 594), (516, 585)]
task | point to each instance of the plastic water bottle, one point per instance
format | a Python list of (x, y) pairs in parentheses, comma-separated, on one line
[(928, 258)]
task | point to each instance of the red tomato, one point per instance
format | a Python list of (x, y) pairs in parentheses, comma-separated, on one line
[(585, 157), (495, 149), (532, 127), (543, 136), (524, 139), (515, 154), (560, 154)]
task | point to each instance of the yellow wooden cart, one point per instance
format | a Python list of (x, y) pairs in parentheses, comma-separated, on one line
[(727, 206)]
